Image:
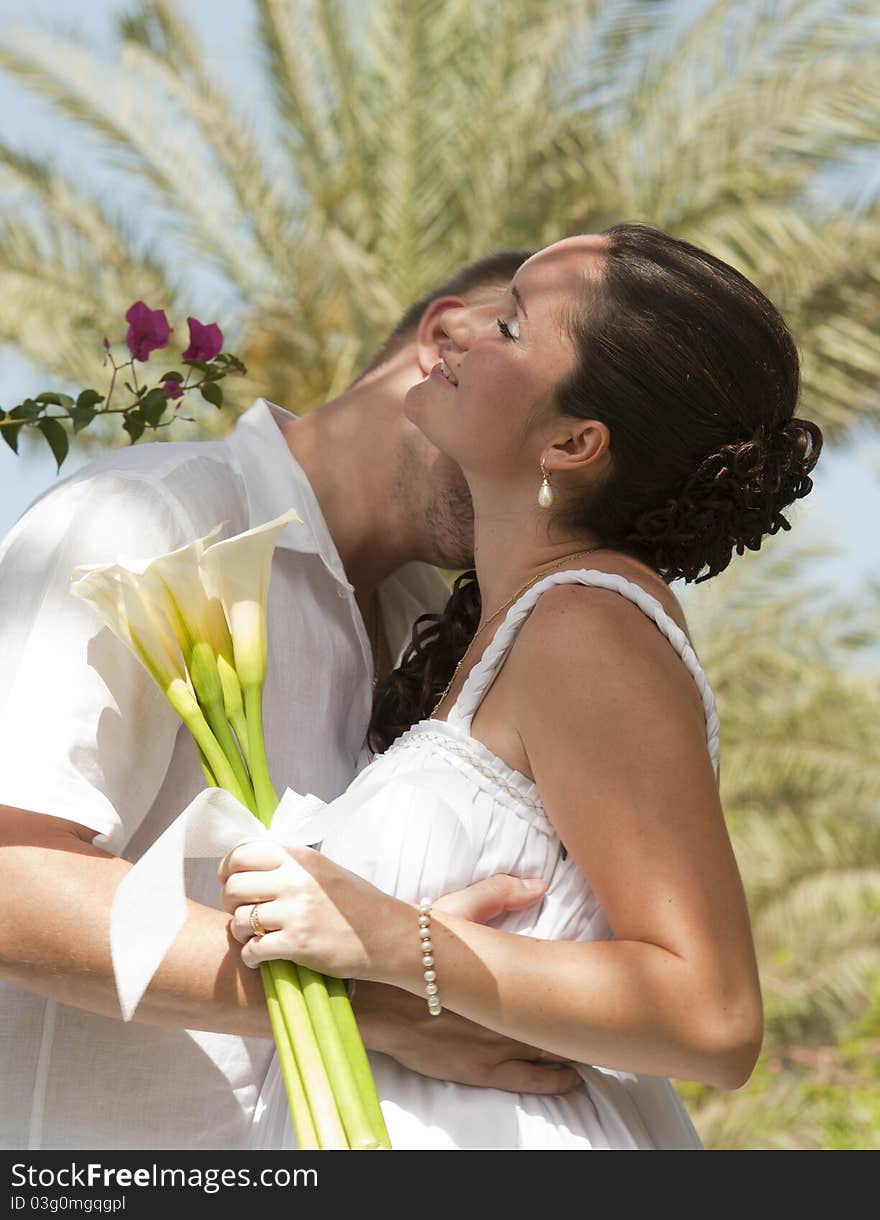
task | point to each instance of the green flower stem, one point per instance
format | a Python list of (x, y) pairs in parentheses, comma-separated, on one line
[(342, 1111), (205, 676), (267, 797), (346, 1023), (194, 719), (322, 1103), (300, 1113), (208, 773), (232, 700), (216, 717), (239, 724), (358, 1126), (282, 1016)]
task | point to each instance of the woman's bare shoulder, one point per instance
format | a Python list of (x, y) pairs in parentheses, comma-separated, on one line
[(571, 595), (581, 626), (571, 628)]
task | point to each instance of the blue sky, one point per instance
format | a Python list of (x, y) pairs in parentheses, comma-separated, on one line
[(842, 510)]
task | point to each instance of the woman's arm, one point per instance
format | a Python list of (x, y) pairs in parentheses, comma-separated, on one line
[(617, 745)]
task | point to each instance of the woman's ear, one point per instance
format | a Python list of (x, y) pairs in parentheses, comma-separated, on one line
[(430, 336), (587, 444)]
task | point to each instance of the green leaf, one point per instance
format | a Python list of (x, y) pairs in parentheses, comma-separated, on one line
[(212, 393), (153, 406), (57, 438), (57, 400), (199, 364), (10, 435), (172, 376), (231, 363), (27, 410), (134, 425), (82, 416), (89, 398)]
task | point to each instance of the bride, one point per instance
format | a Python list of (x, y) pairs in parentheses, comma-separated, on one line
[(624, 417)]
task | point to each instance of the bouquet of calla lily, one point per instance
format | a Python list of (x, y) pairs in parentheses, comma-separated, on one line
[(196, 619)]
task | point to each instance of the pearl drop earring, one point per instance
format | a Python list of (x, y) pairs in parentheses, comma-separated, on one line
[(545, 495)]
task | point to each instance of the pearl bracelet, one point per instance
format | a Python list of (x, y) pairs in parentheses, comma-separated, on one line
[(431, 988)]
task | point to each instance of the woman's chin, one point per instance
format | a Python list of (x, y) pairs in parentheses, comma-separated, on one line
[(428, 407)]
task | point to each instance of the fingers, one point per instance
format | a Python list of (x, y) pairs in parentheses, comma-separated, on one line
[(521, 1076), (242, 888), (492, 896), (255, 855), (240, 924), (523, 892), (261, 949)]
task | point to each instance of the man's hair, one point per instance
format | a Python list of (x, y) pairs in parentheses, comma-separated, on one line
[(496, 268)]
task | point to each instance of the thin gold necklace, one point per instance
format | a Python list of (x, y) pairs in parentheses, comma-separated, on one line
[(534, 580)]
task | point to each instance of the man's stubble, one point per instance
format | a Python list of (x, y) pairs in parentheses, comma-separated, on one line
[(427, 478)]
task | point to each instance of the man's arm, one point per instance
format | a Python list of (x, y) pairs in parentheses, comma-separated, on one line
[(56, 891)]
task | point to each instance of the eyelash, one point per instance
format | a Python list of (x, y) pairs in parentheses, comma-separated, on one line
[(505, 330)]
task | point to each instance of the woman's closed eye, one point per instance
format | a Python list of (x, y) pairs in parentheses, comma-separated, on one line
[(509, 332)]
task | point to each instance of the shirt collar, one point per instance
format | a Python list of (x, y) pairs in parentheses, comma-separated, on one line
[(275, 482)]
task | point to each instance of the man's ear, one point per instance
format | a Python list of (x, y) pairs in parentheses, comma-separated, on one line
[(430, 335)]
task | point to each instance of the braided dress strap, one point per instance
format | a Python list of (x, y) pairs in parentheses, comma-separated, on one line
[(486, 670)]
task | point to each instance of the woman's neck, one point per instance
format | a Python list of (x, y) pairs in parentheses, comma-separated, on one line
[(503, 575)]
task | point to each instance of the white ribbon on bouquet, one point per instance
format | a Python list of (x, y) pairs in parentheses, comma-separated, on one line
[(150, 905)]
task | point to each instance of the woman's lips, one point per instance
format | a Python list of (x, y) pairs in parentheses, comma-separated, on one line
[(437, 371), (446, 371)]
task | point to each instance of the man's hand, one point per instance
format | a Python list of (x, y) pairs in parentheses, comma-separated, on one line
[(450, 1047)]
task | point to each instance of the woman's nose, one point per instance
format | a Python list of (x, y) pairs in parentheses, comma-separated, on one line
[(456, 323)]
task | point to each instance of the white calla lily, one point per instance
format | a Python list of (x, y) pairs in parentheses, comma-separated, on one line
[(199, 624), (115, 591), (174, 582), (131, 600), (237, 571)]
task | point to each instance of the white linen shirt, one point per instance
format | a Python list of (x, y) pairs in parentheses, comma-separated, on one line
[(86, 735)]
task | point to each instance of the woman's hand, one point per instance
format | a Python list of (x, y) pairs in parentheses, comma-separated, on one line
[(314, 912)]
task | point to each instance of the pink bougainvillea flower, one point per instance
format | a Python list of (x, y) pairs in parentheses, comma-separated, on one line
[(106, 344), (172, 388), (205, 342), (148, 330)]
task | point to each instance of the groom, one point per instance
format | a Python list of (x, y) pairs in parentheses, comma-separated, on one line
[(94, 765)]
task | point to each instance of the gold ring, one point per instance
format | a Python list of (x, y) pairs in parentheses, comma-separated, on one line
[(255, 923)]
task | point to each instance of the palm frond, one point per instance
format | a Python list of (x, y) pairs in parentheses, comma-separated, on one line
[(131, 123), (264, 205)]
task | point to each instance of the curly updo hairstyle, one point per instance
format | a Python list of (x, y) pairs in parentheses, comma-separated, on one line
[(696, 376)]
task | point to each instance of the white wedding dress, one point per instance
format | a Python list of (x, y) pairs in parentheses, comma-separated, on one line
[(449, 812)]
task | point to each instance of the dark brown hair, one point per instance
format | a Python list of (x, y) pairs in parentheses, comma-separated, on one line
[(696, 376)]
